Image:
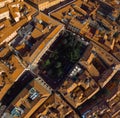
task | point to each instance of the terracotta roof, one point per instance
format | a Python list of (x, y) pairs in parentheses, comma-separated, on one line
[(4, 9), (87, 52), (22, 98)]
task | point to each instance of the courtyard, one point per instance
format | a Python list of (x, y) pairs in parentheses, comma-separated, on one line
[(60, 58)]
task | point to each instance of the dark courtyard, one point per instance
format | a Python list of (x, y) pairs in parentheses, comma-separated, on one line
[(60, 58)]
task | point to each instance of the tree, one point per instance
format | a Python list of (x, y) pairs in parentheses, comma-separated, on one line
[(58, 65), (47, 63), (59, 72), (116, 34)]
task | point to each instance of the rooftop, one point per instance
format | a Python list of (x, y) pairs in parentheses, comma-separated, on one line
[(54, 106), (75, 15), (35, 39), (4, 24), (109, 74), (108, 102), (98, 109), (91, 20), (40, 2), (79, 88), (28, 100), (87, 53), (13, 27), (10, 69), (44, 4), (51, 69), (20, 9), (3, 10)]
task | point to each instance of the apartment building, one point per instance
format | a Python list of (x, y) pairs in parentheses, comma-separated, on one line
[(4, 2), (44, 4), (4, 13)]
